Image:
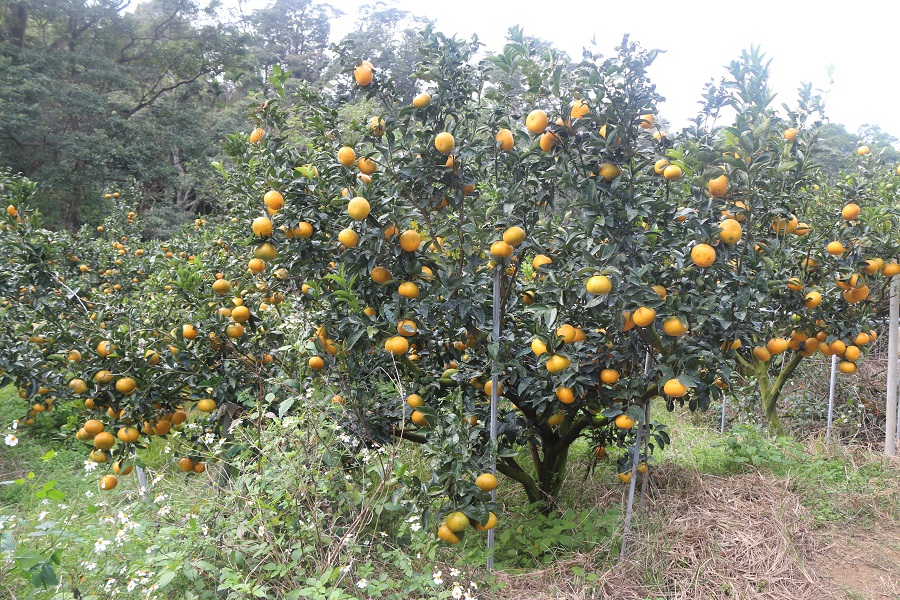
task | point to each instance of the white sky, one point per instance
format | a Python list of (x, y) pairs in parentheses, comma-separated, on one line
[(803, 37)]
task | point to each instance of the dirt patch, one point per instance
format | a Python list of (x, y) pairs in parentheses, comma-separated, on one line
[(867, 566), (706, 537)]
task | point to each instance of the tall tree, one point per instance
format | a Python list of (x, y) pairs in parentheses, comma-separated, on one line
[(91, 95)]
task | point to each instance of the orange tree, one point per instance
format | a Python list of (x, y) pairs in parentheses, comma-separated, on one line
[(797, 279), (617, 283), (129, 335)]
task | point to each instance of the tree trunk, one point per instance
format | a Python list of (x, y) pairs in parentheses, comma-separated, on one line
[(770, 390), (18, 14)]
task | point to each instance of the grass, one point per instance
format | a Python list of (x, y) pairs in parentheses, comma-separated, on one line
[(838, 486)]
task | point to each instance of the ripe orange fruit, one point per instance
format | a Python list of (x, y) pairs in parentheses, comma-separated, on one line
[(647, 121), (659, 167), (776, 346), (415, 400), (730, 231), (672, 173), (118, 470), (346, 156), (358, 208), (610, 171), (348, 238), (257, 135), (674, 388), (536, 121), (444, 143), (206, 405), (418, 417), (262, 227), (487, 482), (186, 464), (703, 255), (578, 109), (891, 269), (762, 354), (491, 522), (674, 326), (643, 316), (558, 363), (541, 260), (221, 286), (504, 139), (835, 248), (794, 284), (363, 75), (501, 249), (514, 235), (380, 274), (565, 395), (366, 166), (406, 328), (273, 200), (105, 348), (108, 482), (396, 345), (256, 265), (129, 435), (240, 314), (847, 367), (93, 426), (609, 376), (538, 347), (850, 212), (104, 440), (422, 100), (566, 332), (623, 421), (599, 285), (200, 467), (410, 240), (790, 134), (188, 332), (445, 535), (862, 150), (718, 187), (852, 353), (126, 386), (78, 386), (812, 299), (549, 141), (408, 289)]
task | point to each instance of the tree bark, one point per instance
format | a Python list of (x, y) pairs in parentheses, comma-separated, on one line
[(18, 14)]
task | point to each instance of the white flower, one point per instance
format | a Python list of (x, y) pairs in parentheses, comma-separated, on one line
[(10, 440), (472, 585), (362, 584), (109, 584), (164, 510), (89, 494), (15, 424), (454, 572), (415, 527), (205, 529), (100, 546), (457, 591), (90, 566), (159, 498), (167, 449), (437, 578), (261, 531), (89, 466), (468, 596), (121, 538), (345, 569), (131, 585), (43, 515)]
